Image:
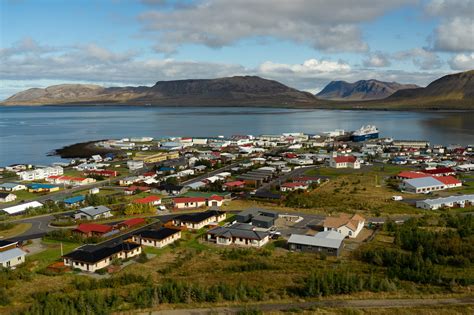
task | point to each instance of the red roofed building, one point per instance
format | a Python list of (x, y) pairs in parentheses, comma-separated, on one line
[(344, 162), (132, 189), (189, 202), (442, 171), (92, 229), (152, 200), (449, 181), (410, 175), (215, 201), (234, 185), (307, 179), (104, 173), (149, 174), (293, 186), (131, 223)]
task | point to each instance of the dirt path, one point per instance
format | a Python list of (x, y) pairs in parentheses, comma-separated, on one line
[(383, 303)]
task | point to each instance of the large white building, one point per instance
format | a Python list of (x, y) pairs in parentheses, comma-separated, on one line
[(422, 185), (41, 173), (10, 254), (447, 202)]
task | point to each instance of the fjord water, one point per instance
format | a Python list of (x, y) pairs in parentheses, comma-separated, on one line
[(28, 134)]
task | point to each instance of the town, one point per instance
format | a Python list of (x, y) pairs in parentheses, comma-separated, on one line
[(325, 197)]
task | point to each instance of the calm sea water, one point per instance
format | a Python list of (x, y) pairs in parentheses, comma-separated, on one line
[(28, 134)]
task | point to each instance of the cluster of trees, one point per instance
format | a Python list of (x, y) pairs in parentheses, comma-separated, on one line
[(135, 208), (48, 207), (421, 248), (97, 200), (323, 283), (90, 301), (66, 235)]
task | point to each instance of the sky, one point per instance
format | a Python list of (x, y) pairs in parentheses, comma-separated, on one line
[(302, 43)]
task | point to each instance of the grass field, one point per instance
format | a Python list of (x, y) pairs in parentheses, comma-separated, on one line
[(17, 229)]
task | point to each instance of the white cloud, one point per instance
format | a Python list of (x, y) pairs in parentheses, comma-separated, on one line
[(462, 62), (328, 25), (377, 60), (421, 57), (456, 30)]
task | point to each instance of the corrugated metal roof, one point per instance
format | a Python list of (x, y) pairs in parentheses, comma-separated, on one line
[(11, 254), (423, 182), (330, 239)]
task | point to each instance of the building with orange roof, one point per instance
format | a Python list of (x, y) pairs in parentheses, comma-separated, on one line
[(69, 180), (152, 200), (347, 225)]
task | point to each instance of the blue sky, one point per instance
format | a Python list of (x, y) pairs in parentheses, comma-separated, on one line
[(302, 43)]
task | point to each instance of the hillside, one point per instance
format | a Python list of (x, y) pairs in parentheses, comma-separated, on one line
[(361, 90), (239, 90)]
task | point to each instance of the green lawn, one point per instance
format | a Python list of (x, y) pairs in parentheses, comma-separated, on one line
[(52, 252)]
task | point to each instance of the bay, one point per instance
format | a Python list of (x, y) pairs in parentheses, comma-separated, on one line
[(28, 134)]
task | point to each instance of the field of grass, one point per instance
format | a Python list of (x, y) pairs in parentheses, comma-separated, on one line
[(17, 229), (51, 253)]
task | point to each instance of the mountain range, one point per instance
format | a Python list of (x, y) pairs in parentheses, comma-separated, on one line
[(361, 90), (455, 91)]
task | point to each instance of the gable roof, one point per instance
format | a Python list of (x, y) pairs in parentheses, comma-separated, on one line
[(6, 194), (148, 199), (411, 174), (344, 159), (423, 182), (440, 170), (132, 222), (93, 227), (10, 254), (75, 199), (448, 180), (352, 222)]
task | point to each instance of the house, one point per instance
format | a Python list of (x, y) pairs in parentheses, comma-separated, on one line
[(7, 197), (22, 207), (38, 187), (344, 162), (103, 173), (238, 184), (450, 181), (134, 189), (347, 225), (189, 202), (74, 201), (127, 224), (328, 242), (307, 180), (10, 254), (422, 185), (238, 234), (442, 171), (134, 165), (292, 186), (170, 189), (92, 229), (257, 217), (215, 201), (91, 258), (41, 173), (410, 175), (157, 238), (12, 187), (150, 200), (196, 221), (447, 202), (93, 213), (69, 180)]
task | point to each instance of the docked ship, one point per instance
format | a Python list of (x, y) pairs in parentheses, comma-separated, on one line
[(365, 133)]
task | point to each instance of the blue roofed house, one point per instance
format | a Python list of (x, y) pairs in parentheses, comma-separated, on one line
[(93, 213), (74, 201)]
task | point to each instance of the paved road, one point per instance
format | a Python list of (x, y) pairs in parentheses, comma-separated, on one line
[(339, 304)]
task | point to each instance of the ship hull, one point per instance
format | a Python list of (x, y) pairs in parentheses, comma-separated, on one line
[(359, 138)]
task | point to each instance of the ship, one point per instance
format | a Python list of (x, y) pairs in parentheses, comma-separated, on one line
[(365, 133)]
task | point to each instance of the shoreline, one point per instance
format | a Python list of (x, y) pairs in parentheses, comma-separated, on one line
[(332, 107)]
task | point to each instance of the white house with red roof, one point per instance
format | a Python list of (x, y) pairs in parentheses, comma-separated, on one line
[(189, 202), (449, 181), (344, 162), (149, 200)]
